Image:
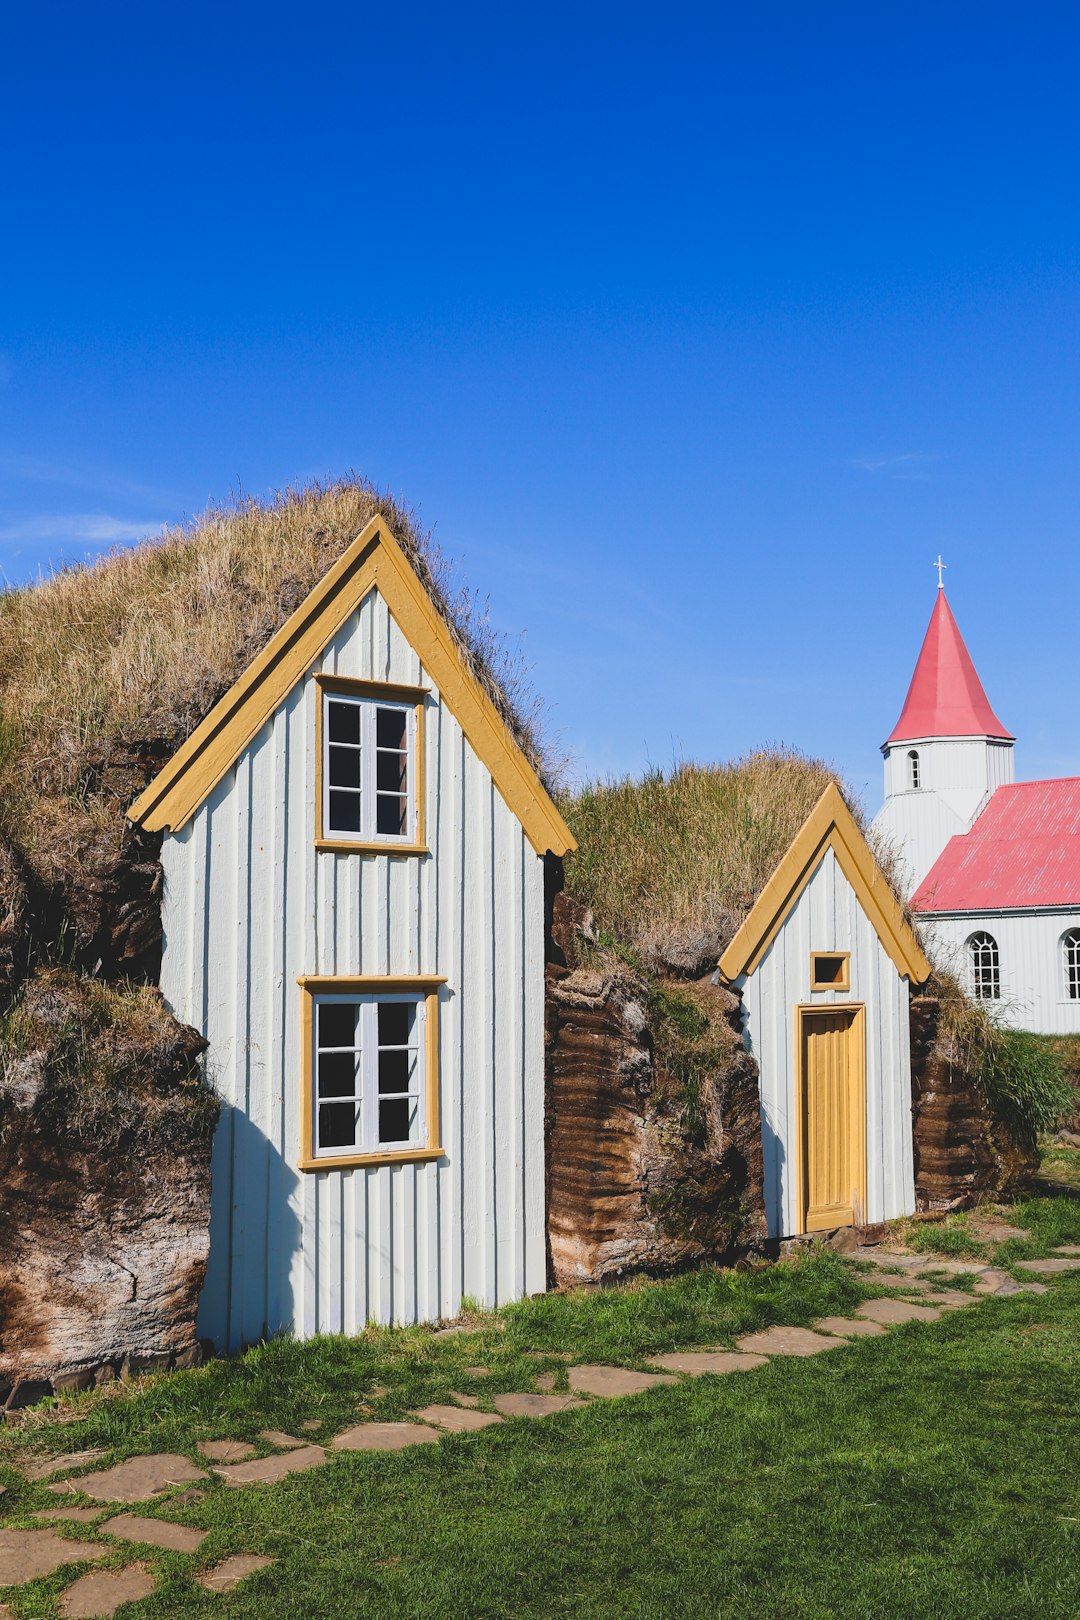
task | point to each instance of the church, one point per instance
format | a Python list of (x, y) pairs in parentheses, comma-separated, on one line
[(991, 865)]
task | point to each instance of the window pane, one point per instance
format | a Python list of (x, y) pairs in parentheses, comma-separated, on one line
[(338, 1125), (391, 772), (397, 1019), (337, 1023), (344, 812), (392, 814), (343, 722), (390, 727), (337, 1074), (397, 1072), (397, 1120), (345, 767)]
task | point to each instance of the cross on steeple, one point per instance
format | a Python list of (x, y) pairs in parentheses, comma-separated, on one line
[(939, 565)]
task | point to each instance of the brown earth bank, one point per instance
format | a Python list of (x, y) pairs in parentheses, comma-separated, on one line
[(653, 1128), (962, 1154), (106, 1126)]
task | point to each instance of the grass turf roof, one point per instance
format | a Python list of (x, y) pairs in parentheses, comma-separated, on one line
[(136, 648), (669, 865)]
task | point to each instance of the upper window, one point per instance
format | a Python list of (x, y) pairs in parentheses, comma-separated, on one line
[(914, 769), (985, 967), (830, 970), (371, 748), (1070, 948), (370, 1085)]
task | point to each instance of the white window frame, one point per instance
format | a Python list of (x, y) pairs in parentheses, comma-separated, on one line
[(368, 994), (368, 697), (983, 942), (1070, 964), (914, 771)]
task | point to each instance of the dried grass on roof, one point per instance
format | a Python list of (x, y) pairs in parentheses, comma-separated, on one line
[(671, 864), (139, 646)]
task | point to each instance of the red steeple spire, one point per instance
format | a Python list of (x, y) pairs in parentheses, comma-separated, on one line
[(946, 698)]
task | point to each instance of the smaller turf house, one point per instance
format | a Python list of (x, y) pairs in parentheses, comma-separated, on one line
[(824, 964)]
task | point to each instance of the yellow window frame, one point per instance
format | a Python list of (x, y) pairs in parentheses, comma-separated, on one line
[(368, 985), (371, 691)]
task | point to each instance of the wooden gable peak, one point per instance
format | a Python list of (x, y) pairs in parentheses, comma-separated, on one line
[(830, 825), (373, 561)]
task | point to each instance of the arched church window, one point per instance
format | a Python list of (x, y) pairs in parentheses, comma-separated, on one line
[(1070, 949), (985, 967), (914, 780)]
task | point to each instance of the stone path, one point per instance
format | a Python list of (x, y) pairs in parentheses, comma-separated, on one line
[(27, 1555)]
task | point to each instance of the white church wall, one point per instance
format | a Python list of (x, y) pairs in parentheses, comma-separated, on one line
[(249, 905), (916, 827), (828, 917), (1033, 988), (957, 775)]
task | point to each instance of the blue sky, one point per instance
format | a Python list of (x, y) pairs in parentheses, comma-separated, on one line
[(694, 331)]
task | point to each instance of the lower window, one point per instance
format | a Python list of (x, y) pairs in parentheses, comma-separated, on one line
[(371, 1087)]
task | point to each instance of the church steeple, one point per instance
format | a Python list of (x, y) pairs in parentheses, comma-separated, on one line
[(946, 697), (946, 754)]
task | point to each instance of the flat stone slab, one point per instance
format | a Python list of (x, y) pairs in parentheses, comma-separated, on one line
[(849, 1327), (695, 1363), (998, 1231), (269, 1470), (72, 1515), (609, 1382), (26, 1555), (311, 1423), (385, 1437), (476, 1372), (528, 1405), (545, 1381), (155, 1533), (231, 1571), (101, 1592), (457, 1419), (1067, 1248), (464, 1400), (788, 1341), (992, 1280), (136, 1480), (950, 1299), (45, 1467), (226, 1450), (1048, 1268), (894, 1311), (909, 1284), (277, 1437)]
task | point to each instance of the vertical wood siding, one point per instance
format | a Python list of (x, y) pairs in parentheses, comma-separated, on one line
[(1031, 961), (249, 905), (828, 917)]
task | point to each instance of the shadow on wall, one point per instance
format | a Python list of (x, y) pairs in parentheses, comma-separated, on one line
[(255, 1233), (774, 1157)]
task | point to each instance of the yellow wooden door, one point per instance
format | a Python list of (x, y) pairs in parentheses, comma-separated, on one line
[(834, 1129)]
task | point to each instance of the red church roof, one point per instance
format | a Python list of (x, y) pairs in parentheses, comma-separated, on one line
[(946, 698), (1024, 850)]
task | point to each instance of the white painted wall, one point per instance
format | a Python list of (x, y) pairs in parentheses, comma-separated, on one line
[(957, 776), (248, 906), (829, 917), (1030, 957)]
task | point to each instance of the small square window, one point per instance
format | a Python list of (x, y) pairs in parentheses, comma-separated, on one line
[(369, 793), (830, 970)]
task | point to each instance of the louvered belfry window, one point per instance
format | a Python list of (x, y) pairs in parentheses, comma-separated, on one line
[(985, 967)]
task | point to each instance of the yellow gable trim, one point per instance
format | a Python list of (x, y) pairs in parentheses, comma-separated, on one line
[(373, 560), (830, 825)]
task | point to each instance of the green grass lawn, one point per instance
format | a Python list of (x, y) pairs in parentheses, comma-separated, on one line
[(934, 1472)]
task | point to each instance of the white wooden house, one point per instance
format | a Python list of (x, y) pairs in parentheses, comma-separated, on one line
[(353, 914), (824, 963)]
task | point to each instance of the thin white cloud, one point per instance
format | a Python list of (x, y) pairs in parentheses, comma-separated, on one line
[(71, 475), (912, 464), (84, 528)]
